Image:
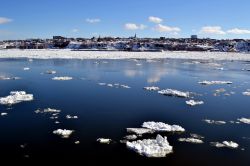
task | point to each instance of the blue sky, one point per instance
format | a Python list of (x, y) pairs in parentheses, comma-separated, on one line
[(148, 18)]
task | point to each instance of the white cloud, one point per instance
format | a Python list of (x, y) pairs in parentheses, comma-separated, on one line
[(75, 30), (132, 26), (4, 20), (93, 20), (156, 20), (168, 29), (213, 30), (238, 31)]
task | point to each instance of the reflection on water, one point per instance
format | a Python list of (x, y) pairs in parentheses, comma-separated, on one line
[(106, 112)]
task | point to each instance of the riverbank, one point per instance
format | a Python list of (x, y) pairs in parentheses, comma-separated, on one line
[(68, 54)]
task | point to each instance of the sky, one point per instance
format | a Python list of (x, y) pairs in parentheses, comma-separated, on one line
[(221, 19)]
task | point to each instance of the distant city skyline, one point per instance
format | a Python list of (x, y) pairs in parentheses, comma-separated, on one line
[(220, 19)]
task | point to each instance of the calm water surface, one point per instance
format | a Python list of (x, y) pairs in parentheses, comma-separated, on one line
[(107, 112)]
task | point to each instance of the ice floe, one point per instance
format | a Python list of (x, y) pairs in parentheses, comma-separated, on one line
[(196, 136), (158, 147), (219, 122), (77, 142), (26, 68), (65, 78), (214, 82), (16, 97), (130, 137), (244, 120), (194, 103), (71, 117), (173, 92), (115, 85), (191, 140), (50, 72), (64, 133), (140, 131), (246, 93), (104, 140), (162, 127), (48, 110), (4, 114), (151, 88), (9, 78), (226, 144)]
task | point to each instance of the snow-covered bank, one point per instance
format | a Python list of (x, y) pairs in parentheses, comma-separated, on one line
[(68, 54)]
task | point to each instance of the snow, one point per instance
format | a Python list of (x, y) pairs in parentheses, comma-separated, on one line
[(158, 147), (173, 92), (64, 133), (4, 114), (71, 117), (191, 140), (151, 88), (244, 120), (194, 103), (162, 127), (130, 137), (104, 140), (65, 78), (214, 122), (214, 82), (139, 131), (68, 54), (226, 144), (16, 97)]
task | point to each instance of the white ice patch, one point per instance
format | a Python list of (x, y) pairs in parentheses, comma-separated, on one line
[(48, 110), (71, 117), (104, 140), (50, 72), (64, 133), (151, 88), (196, 136), (173, 92), (9, 78), (139, 131), (226, 144), (219, 122), (65, 78), (191, 140), (162, 127), (194, 103), (246, 93), (158, 147), (4, 114), (130, 137), (16, 97), (26, 68), (244, 120), (215, 82), (116, 85)]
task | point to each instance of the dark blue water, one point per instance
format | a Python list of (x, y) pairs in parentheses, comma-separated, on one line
[(107, 112)]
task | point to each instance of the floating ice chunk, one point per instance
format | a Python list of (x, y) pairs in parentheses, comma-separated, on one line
[(214, 82), (172, 92), (162, 127), (125, 86), (101, 83), (9, 78), (130, 137), (57, 122), (4, 114), (77, 142), (26, 68), (16, 97), (244, 120), (104, 140), (196, 136), (191, 140), (65, 78), (71, 117), (110, 85), (226, 144), (214, 122), (139, 131), (64, 133), (50, 72), (194, 103), (151, 88), (247, 93), (158, 147), (48, 110)]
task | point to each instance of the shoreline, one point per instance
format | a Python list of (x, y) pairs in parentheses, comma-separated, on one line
[(68, 54)]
